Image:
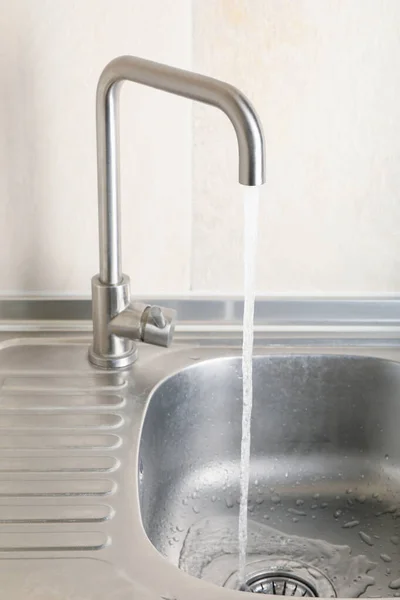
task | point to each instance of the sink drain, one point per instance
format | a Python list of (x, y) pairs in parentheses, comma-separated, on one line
[(283, 577), (279, 584)]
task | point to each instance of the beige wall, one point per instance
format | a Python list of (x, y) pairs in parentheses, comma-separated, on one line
[(325, 78), (51, 54)]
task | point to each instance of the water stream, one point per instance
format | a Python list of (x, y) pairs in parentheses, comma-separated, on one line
[(214, 550), (250, 202)]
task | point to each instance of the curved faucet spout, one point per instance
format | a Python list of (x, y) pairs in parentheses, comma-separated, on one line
[(175, 81)]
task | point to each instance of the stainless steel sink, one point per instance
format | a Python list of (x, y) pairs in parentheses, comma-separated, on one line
[(324, 466), (125, 484)]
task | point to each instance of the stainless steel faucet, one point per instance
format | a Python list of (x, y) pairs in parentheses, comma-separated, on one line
[(117, 321)]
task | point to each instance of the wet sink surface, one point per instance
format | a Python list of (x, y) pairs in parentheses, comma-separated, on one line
[(325, 466), (111, 480)]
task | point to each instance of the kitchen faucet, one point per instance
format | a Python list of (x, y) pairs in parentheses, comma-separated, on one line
[(117, 321)]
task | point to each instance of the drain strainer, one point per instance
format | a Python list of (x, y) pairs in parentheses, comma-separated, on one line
[(279, 584), (283, 577)]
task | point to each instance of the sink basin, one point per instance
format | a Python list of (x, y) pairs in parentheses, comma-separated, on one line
[(324, 503)]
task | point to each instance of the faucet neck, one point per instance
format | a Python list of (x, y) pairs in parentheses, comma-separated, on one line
[(175, 81), (107, 129)]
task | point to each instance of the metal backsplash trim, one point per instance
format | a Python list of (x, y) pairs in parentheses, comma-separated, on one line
[(213, 314)]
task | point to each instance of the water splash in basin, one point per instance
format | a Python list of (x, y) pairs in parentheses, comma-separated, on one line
[(210, 552)]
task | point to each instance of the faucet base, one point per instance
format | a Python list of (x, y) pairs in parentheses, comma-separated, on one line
[(113, 362), (110, 351), (117, 322)]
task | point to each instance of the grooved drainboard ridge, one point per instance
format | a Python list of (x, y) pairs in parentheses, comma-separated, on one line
[(55, 402), (57, 541), (58, 464), (38, 441), (45, 514), (71, 384), (97, 421), (33, 488)]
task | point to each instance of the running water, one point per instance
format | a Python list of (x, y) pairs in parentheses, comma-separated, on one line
[(250, 200)]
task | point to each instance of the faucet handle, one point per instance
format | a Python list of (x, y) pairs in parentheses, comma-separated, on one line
[(158, 317), (150, 324), (158, 325)]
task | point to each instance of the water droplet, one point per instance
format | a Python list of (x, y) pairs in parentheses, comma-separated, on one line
[(229, 502), (296, 511), (275, 498), (324, 505), (266, 517), (338, 513), (170, 542), (195, 495), (314, 506), (196, 509), (299, 502), (375, 495), (386, 456), (256, 482), (176, 538), (213, 498), (395, 539), (185, 501), (366, 538), (180, 528), (350, 524), (388, 571), (349, 491), (361, 499), (316, 496), (395, 584), (313, 516), (386, 558), (259, 500), (250, 508), (388, 511), (295, 520)]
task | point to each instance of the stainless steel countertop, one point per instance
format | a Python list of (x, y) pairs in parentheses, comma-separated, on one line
[(70, 523)]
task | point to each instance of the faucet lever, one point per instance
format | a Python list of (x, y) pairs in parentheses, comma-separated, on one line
[(157, 315), (158, 325), (150, 324)]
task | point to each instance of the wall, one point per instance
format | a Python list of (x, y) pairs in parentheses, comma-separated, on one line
[(325, 78), (51, 54)]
